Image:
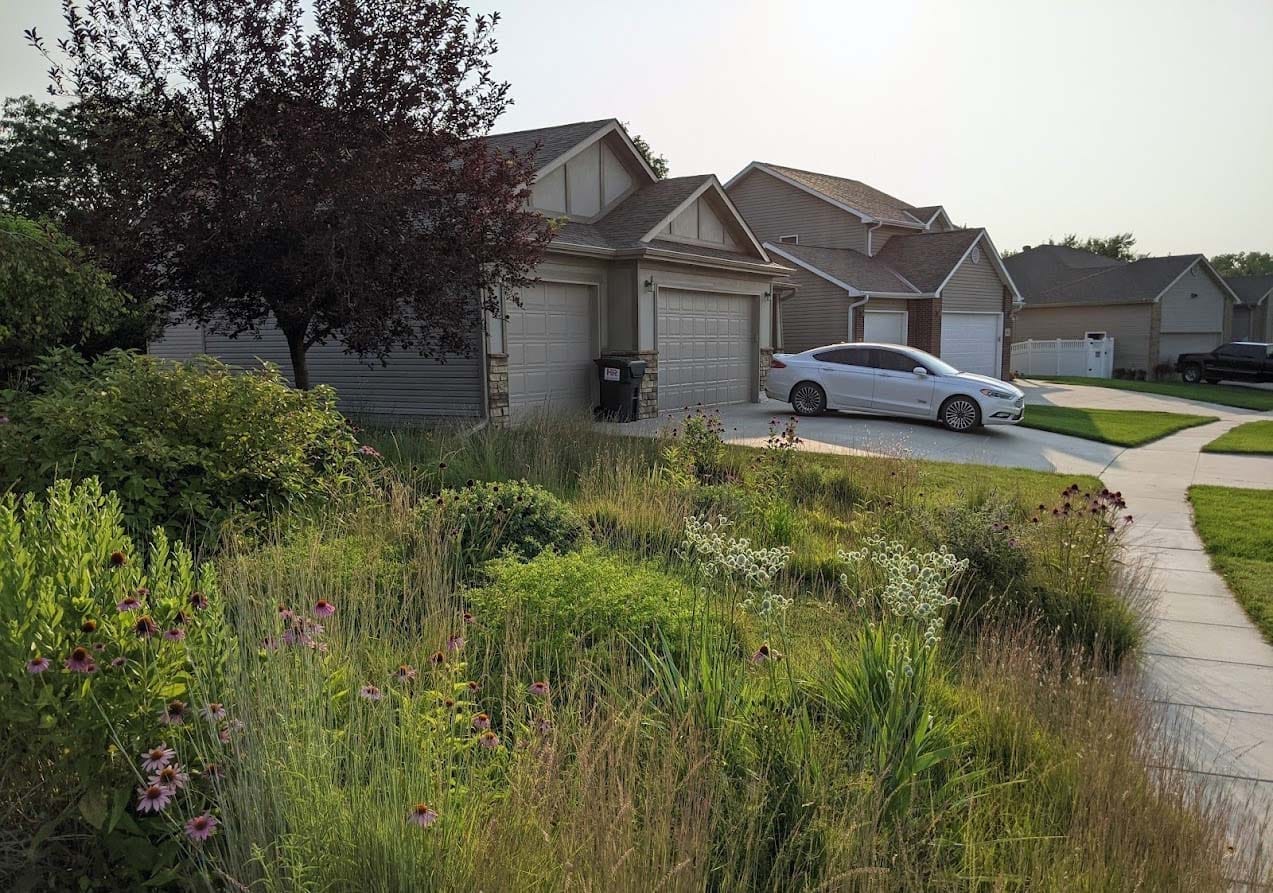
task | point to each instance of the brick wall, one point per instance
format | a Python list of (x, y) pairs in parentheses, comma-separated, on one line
[(1005, 370), (497, 388), (923, 325)]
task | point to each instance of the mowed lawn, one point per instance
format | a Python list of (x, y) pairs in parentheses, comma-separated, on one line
[(1236, 526), (1253, 437), (1223, 394), (1121, 427)]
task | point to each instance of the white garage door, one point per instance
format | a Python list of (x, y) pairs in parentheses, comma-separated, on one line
[(551, 345), (970, 342), (1172, 344), (707, 348), (884, 326)]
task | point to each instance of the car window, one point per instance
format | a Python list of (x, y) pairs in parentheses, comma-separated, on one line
[(846, 356), (892, 361), (1232, 350)]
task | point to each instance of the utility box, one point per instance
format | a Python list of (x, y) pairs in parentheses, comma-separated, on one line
[(620, 380)]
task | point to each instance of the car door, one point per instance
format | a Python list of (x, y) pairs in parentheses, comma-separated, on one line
[(848, 376), (898, 389)]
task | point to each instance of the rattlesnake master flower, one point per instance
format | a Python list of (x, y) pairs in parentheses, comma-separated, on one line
[(153, 798), (37, 665), (370, 693), (422, 814), (128, 604), (201, 827), (172, 777), (81, 661), (488, 740), (481, 722), (539, 689), (145, 627), (707, 544), (174, 714), (157, 758), (214, 711), (324, 608)]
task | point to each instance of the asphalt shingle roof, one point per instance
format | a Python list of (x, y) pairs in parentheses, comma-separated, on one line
[(853, 193), (1250, 288), (850, 267), (1045, 267), (1138, 282), (924, 213), (926, 259), (549, 143)]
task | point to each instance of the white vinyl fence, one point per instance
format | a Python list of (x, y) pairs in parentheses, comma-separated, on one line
[(1086, 357)]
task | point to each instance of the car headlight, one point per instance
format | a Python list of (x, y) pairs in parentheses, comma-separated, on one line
[(998, 395)]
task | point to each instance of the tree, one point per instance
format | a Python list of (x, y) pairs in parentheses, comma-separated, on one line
[(45, 168), (51, 295), (1118, 246), (330, 179), (657, 163), (1244, 263)]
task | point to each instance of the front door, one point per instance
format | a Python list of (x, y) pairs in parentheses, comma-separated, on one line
[(898, 389), (848, 376)]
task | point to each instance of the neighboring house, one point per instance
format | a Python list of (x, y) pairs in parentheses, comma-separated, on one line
[(665, 270), (1252, 320), (1154, 309), (870, 267)]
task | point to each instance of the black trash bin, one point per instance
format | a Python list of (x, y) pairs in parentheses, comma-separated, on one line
[(620, 379)]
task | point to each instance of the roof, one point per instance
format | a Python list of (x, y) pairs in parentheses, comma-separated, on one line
[(927, 259), (1251, 289), (1138, 282), (924, 213), (552, 142), (1045, 267), (852, 268), (853, 193)]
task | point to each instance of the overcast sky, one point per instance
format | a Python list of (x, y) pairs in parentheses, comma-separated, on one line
[(1029, 117)]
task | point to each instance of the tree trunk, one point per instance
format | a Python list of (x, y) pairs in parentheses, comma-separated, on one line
[(296, 350)]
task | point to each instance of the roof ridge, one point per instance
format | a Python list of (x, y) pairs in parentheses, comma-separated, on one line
[(598, 122)]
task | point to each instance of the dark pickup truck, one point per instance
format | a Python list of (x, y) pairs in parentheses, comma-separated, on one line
[(1236, 361)]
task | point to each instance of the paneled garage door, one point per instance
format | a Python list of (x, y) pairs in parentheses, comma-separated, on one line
[(551, 344), (707, 348), (970, 342), (1172, 344)]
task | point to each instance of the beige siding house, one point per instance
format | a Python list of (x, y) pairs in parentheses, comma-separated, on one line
[(870, 267), (665, 270), (1154, 309), (1252, 320)]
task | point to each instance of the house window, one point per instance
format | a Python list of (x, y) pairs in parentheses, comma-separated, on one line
[(790, 240), (1094, 336), (976, 254)]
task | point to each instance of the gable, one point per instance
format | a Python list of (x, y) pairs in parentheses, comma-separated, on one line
[(776, 210), (591, 180), (704, 221), (975, 284)]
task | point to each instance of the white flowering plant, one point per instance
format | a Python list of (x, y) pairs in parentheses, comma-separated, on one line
[(754, 570)]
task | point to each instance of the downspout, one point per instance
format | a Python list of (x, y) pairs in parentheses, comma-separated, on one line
[(852, 315), (870, 248)]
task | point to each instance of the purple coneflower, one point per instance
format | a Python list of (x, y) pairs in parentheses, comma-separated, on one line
[(198, 600), (543, 725), (468, 618), (128, 604), (181, 619), (176, 634), (201, 827), (157, 758), (423, 815), (488, 740), (324, 608), (269, 643), (118, 559), (214, 711), (213, 771), (368, 450), (404, 673), (153, 798), (764, 653), (88, 626), (539, 689), (118, 662), (172, 777), (474, 687), (370, 693), (80, 661), (37, 665), (99, 647), (481, 722), (174, 714), (436, 659), (145, 627), (454, 642)]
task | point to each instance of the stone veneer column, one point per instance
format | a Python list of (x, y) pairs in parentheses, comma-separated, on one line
[(766, 360), (648, 395), (497, 388)]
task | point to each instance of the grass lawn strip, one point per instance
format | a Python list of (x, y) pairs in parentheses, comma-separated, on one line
[(1121, 427), (1236, 526), (1222, 394), (1255, 438)]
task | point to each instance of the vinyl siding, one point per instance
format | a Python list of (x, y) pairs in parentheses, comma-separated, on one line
[(1128, 325), (774, 209), (410, 385), (1183, 313), (974, 287), (817, 314), (880, 236)]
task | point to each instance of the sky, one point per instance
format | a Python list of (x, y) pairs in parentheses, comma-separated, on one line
[(1033, 118)]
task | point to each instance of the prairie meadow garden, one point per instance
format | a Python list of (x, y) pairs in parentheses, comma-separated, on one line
[(246, 645)]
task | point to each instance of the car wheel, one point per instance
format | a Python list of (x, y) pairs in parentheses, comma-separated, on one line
[(960, 414), (1192, 374), (808, 398)]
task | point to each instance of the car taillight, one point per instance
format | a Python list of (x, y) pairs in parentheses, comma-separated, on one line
[(777, 364)]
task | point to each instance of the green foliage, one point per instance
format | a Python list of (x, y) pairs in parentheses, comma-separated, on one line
[(45, 169), (75, 592), (657, 163), (52, 295), (983, 534), (185, 446), (1118, 246), (694, 451), (1243, 263), (508, 517), (564, 605)]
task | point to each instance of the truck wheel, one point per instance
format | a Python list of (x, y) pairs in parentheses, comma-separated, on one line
[(1210, 380), (1192, 374)]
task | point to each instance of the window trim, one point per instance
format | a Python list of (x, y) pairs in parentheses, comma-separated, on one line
[(792, 239)]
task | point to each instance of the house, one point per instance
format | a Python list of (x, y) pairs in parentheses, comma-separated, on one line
[(1154, 308), (871, 267), (665, 270), (1252, 320)]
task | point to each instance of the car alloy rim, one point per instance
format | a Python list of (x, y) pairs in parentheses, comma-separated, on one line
[(807, 398), (960, 414)]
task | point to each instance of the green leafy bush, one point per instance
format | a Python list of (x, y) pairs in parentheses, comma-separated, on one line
[(562, 605), (508, 517), (104, 654), (985, 535), (184, 446), (693, 452)]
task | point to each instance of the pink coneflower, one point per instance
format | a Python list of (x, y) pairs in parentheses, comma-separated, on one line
[(128, 604), (481, 722), (213, 771), (454, 642), (118, 662), (174, 714), (145, 627), (468, 618), (176, 634), (153, 798), (214, 711), (80, 661), (488, 740), (269, 643), (285, 613), (201, 827), (370, 693), (474, 687), (765, 653), (539, 689), (118, 559), (37, 665), (368, 450), (181, 619), (423, 815), (171, 777), (324, 608), (543, 725), (198, 600), (404, 673), (157, 758), (436, 659), (99, 647), (88, 626)]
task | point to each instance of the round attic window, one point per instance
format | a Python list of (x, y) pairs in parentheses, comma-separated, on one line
[(976, 254)]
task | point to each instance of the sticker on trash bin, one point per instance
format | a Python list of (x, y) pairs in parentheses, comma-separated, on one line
[(611, 373)]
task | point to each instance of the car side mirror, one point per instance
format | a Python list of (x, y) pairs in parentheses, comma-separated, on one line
[(920, 370)]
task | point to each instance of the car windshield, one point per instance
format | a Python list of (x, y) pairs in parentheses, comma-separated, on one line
[(932, 363)]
